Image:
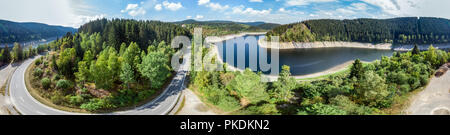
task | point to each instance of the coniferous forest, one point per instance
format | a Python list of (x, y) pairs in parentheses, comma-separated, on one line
[(406, 30)]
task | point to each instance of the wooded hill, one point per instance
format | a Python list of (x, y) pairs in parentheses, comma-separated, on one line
[(18, 32), (405, 30)]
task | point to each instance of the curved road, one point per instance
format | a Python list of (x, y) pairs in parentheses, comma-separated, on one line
[(162, 105)]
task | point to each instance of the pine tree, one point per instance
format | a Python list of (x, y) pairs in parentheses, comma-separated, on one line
[(357, 69), (415, 50)]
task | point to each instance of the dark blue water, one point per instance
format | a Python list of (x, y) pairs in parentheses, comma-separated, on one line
[(309, 61)]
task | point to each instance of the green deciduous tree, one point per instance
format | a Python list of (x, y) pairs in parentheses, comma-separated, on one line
[(248, 86), (372, 89), (67, 62), (154, 68), (17, 52), (127, 74), (100, 71)]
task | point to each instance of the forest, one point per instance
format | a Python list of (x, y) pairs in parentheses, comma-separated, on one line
[(406, 30), (11, 32), (108, 65), (367, 89)]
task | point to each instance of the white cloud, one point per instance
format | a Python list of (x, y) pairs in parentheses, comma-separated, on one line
[(134, 10), (294, 12), (255, 0), (250, 11), (345, 11), (305, 2), (203, 2), (217, 6), (82, 19), (158, 7), (199, 17), (358, 6), (129, 7), (388, 6), (189, 17), (172, 5)]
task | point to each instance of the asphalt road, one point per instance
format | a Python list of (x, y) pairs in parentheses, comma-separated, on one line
[(162, 105)]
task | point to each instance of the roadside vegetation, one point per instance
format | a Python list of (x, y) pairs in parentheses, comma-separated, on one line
[(107, 65), (372, 88)]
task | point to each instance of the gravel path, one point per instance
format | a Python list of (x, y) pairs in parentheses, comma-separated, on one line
[(434, 100), (193, 105)]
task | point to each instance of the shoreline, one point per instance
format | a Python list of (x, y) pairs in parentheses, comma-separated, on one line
[(337, 44), (325, 44), (342, 44)]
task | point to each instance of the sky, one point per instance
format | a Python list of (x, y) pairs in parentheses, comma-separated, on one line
[(73, 13)]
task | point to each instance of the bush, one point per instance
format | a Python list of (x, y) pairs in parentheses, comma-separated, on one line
[(323, 109), (57, 97), (63, 84), (38, 62), (228, 103), (76, 100), (264, 109), (38, 72), (97, 104), (46, 83)]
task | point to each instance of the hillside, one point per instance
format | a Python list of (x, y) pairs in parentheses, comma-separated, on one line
[(218, 28), (406, 30), (18, 32)]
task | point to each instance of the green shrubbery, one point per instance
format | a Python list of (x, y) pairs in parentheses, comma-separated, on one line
[(37, 72), (45, 82), (63, 84)]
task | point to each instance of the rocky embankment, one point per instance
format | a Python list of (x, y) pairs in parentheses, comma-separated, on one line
[(382, 46)]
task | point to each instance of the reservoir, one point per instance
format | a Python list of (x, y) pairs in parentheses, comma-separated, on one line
[(309, 61)]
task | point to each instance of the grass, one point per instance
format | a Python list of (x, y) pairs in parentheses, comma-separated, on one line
[(341, 72)]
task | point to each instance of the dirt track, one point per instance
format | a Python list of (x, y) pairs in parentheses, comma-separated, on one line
[(434, 100)]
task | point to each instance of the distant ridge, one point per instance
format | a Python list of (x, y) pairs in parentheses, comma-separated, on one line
[(19, 32), (262, 25)]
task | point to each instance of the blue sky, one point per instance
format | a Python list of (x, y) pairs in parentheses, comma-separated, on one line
[(76, 12)]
